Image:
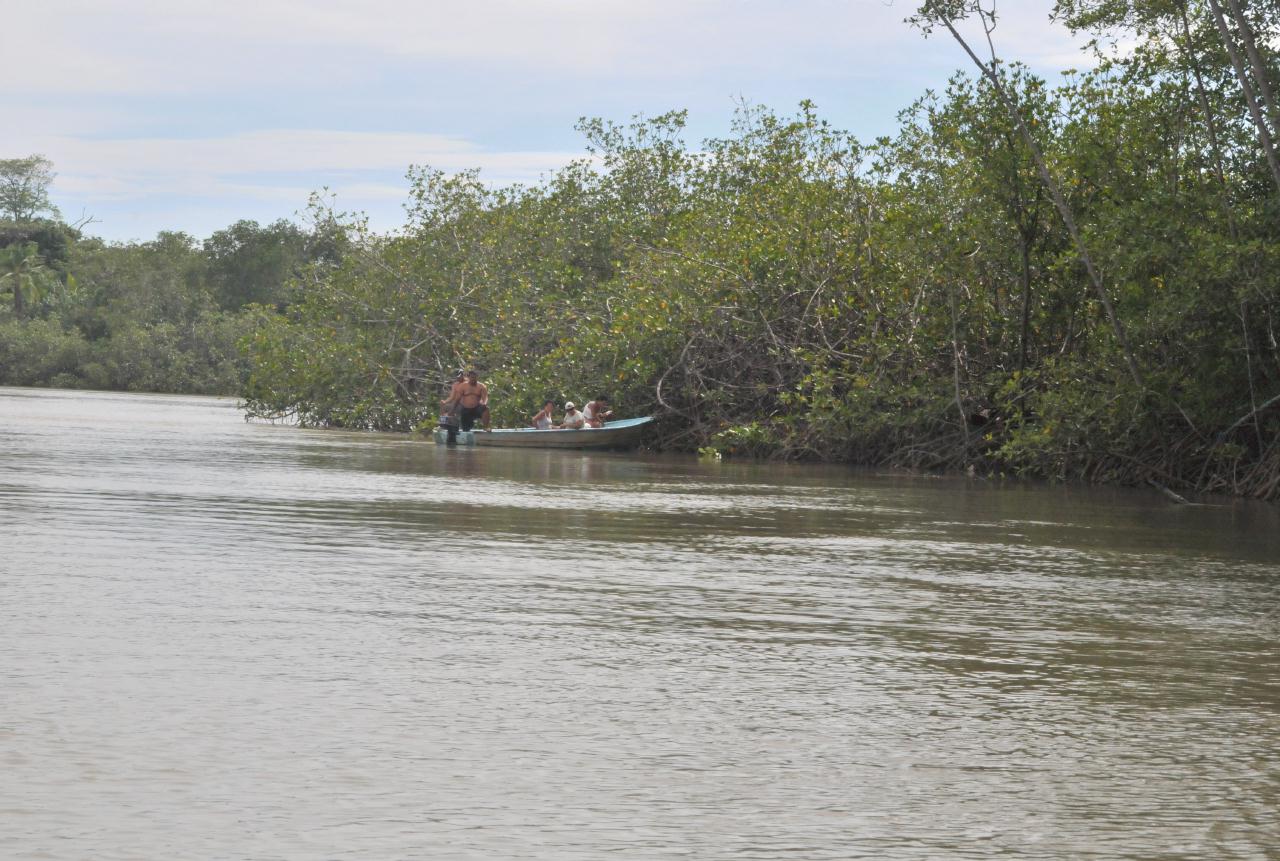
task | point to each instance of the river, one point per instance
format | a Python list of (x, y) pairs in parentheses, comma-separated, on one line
[(228, 640)]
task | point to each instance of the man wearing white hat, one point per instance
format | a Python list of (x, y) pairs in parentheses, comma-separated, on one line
[(573, 419)]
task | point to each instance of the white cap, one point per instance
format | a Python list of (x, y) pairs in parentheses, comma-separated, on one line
[(570, 406)]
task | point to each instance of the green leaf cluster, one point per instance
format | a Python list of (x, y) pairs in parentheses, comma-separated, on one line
[(166, 315), (788, 291)]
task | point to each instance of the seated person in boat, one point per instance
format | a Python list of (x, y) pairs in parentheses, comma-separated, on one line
[(543, 420), (597, 412), (573, 419), (473, 401)]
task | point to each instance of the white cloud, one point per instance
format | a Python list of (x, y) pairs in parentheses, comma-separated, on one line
[(142, 104), (135, 46), (269, 150), (136, 187), (281, 165)]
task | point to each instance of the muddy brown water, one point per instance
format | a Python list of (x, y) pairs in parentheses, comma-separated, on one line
[(226, 640)]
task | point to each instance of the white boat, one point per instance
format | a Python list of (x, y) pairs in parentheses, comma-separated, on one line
[(620, 434)]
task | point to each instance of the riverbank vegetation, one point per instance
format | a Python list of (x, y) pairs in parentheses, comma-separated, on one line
[(167, 315), (1077, 281)]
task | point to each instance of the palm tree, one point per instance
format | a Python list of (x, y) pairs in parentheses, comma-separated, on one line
[(22, 271)]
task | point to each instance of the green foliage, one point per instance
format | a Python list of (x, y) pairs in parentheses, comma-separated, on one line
[(35, 352), (789, 292), (785, 291), (252, 264), (23, 276), (53, 240), (150, 316), (24, 188)]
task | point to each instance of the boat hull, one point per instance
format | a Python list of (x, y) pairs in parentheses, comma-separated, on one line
[(621, 434)]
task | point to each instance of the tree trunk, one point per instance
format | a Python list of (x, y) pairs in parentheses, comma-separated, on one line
[(1260, 75), (1211, 126), (1024, 246), (1055, 192), (1251, 99), (955, 368)]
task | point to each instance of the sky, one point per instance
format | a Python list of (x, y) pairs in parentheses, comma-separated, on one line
[(177, 115)]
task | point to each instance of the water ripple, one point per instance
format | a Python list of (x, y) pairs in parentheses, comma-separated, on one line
[(221, 639)]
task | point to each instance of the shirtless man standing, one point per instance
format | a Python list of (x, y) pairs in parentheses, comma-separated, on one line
[(473, 398)]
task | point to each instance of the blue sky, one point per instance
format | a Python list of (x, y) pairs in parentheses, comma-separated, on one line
[(177, 115)]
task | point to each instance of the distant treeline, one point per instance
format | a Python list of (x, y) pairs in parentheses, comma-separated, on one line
[(161, 316), (1077, 282)]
